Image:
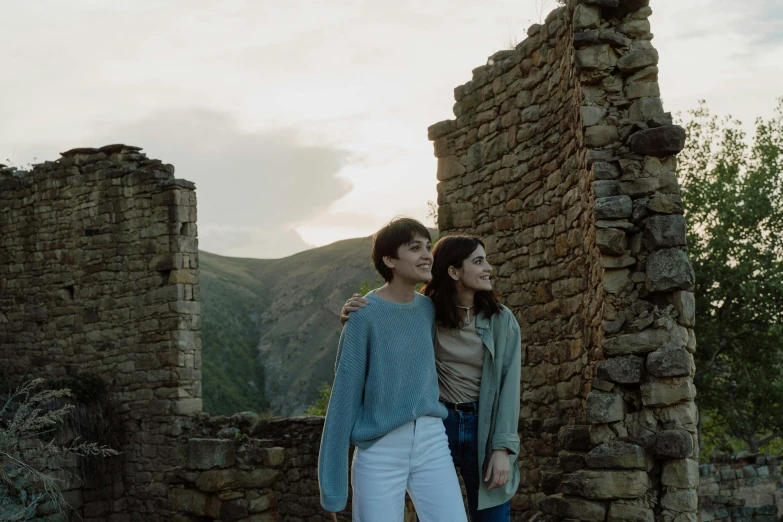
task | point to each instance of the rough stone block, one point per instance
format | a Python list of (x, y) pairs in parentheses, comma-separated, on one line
[(642, 342), (586, 17), (681, 473), (596, 57), (262, 503), (680, 500), (617, 262), (601, 135), (225, 479), (574, 437), (643, 109), (622, 370), (617, 454), (670, 362), (665, 204), (187, 406), (664, 231), (573, 507), (615, 207), (449, 167), (189, 277), (674, 444), (683, 414), (643, 90), (604, 170), (606, 484), (439, 129), (636, 60), (611, 241), (625, 513), (666, 140), (234, 509), (615, 281), (606, 188), (194, 502), (634, 28), (668, 270), (592, 115), (659, 394), (685, 304), (206, 454), (166, 262), (664, 182), (602, 407)]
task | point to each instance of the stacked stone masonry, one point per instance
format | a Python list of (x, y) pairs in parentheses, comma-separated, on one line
[(241, 468), (741, 489), (99, 275), (562, 158)]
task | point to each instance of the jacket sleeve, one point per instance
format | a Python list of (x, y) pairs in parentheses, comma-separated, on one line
[(344, 406), (506, 432)]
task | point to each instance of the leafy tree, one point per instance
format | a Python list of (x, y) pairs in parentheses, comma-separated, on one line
[(732, 191)]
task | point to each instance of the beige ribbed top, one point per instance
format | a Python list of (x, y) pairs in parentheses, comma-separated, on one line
[(459, 358)]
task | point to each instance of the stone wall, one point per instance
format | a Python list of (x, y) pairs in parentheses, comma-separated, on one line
[(741, 489), (250, 470), (99, 275), (562, 158)]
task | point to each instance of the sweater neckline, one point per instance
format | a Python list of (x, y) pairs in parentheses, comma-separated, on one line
[(374, 297)]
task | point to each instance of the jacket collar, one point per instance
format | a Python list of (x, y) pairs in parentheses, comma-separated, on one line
[(483, 327)]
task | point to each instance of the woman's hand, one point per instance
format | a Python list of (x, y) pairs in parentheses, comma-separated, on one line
[(351, 305), (498, 470)]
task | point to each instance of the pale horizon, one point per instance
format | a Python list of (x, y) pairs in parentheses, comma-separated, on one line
[(303, 124)]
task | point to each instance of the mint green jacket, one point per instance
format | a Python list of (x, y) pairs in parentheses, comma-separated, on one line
[(498, 416)]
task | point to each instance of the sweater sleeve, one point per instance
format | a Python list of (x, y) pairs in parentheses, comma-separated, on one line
[(344, 406), (506, 433)]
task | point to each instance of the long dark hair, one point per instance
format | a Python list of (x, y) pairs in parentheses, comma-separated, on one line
[(442, 289)]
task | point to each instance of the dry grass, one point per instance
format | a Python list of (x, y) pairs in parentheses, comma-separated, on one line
[(30, 455)]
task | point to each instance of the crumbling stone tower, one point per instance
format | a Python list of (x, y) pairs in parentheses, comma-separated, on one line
[(99, 275), (562, 157)]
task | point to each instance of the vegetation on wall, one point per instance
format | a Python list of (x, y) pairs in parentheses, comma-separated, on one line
[(31, 451)]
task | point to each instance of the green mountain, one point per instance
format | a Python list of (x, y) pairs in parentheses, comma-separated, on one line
[(270, 326)]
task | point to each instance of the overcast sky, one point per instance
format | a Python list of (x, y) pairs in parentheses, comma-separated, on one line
[(305, 122)]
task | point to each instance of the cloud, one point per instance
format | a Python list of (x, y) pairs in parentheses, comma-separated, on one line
[(253, 187), (259, 242), (760, 20)]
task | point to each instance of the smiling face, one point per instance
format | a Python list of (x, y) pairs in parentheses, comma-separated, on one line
[(413, 262), (474, 274)]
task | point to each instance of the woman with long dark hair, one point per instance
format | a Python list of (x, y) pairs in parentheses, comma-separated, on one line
[(478, 359)]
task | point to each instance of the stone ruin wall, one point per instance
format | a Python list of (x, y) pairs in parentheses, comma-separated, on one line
[(741, 489), (562, 158), (99, 275)]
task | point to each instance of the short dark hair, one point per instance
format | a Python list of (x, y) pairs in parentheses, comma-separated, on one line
[(454, 251), (387, 240)]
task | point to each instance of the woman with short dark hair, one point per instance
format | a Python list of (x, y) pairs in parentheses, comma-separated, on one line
[(384, 399)]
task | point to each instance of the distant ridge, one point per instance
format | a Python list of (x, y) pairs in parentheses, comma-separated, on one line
[(270, 326)]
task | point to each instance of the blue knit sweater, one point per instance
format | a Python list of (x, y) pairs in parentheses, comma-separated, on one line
[(384, 378)]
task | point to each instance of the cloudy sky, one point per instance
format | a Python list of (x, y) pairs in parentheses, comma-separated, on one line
[(305, 121)]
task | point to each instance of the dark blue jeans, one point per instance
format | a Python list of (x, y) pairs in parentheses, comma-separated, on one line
[(462, 431)]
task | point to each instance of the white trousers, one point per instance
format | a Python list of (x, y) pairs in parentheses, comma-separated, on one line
[(414, 457)]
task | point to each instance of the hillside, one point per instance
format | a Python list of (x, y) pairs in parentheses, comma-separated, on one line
[(270, 327)]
